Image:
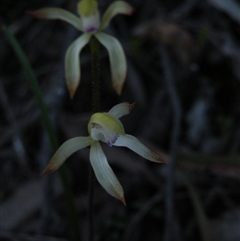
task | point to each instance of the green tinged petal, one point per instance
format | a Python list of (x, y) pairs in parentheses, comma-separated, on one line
[(135, 145), (104, 172), (117, 57), (66, 150), (118, 7), (121, 109), (106, 121), (58, 13), (72, 63)]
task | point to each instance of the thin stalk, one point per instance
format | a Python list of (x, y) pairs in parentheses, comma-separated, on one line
[(94, 45), (46, 124)]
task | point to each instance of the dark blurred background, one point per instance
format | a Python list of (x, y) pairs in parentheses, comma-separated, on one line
[(191, 47)]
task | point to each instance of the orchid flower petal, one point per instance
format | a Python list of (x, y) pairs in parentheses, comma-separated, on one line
[(117, 60), (118, 7), (58, 13), (104, 172), (135, 145), (121, 109), (66, 150), (72, 62), (105, 127)]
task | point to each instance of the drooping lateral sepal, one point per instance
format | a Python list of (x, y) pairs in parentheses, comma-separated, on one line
[(72, 63), (65, 150), (104, 172), (118, 63), (135, 145)]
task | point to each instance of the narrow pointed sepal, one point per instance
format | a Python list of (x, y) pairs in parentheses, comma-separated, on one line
[(117, 7), (72, 63), (117, 58), (121, 109), (135, 145), (58, 13), (104, 172), (66, 150)]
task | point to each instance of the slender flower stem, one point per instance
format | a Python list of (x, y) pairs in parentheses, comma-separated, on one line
[(31, 77), (94, 45)]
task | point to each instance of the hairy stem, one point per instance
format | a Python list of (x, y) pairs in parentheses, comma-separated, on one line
[(94, 45)]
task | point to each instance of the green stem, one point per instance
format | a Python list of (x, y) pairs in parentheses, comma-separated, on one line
[(47, 125), (94, 45)]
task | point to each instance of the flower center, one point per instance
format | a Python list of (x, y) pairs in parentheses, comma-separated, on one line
[(104, 127), (88, 10)]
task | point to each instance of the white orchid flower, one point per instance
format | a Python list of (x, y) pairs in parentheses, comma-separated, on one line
[(105, 127), (90, 24)]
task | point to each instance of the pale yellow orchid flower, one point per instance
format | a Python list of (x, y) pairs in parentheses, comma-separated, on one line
[(90, 24), (107, 128)]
